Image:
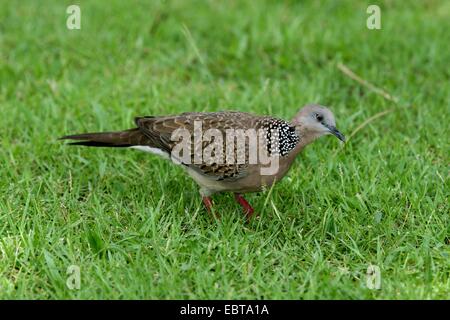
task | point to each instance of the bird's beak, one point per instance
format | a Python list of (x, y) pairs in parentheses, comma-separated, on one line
[(337, 133)]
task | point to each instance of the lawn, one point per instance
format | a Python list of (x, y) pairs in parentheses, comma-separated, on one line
[(134, 224)]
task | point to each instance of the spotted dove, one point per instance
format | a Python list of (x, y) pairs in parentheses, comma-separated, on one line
[(229, 165)]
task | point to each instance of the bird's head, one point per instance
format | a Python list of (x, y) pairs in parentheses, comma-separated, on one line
[(315, 121)]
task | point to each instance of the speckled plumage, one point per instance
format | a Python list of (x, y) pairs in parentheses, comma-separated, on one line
[(281, 136)]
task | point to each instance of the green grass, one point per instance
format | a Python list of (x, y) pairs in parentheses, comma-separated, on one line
[(135, 225)]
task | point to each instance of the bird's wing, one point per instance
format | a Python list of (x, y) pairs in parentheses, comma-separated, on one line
[(159, 131)]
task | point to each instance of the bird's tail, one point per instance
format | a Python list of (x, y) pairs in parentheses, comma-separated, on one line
[(116, 139)]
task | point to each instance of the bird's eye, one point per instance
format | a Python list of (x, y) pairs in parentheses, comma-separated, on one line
[(319, 117)]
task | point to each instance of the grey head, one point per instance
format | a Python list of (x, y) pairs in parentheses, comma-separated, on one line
[(314, 121)]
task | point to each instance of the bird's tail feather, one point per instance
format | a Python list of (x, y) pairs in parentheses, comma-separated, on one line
[(116, 139)]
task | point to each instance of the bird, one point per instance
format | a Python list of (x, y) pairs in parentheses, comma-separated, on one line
[(224, 151)]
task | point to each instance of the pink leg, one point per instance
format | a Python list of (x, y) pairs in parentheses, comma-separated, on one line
[(208, 204), (248, 210)]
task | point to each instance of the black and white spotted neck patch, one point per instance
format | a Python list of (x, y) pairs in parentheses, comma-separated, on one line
[(281, 137)]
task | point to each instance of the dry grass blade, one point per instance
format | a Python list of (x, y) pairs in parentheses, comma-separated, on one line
[(365, 83), (369, 120), (346, 70)]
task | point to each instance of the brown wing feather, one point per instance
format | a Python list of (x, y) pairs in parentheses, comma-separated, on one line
[(159, 131)]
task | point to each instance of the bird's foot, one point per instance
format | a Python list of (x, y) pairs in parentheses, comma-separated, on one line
[(248, 209), (208, 204)]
